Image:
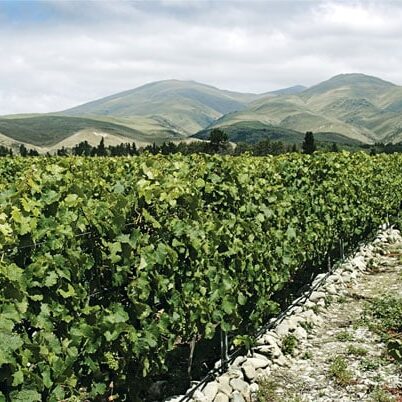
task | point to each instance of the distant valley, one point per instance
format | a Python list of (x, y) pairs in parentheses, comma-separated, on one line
[(348, 108)]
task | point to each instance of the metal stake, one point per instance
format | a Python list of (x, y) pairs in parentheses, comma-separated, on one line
[(224, 351)]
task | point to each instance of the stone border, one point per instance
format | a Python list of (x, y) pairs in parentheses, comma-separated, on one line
[(240, 382)]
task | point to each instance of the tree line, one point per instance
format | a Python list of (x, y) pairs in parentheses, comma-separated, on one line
[(218, 143)]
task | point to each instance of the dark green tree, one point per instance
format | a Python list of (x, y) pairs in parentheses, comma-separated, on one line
[(308, 145), (4, 151), (101, 149), (23, 150), (334, 147), (62, 152), (83, 148), (217, 140), (33, 152)]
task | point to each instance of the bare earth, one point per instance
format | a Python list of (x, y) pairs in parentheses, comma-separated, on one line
[(373, 377)]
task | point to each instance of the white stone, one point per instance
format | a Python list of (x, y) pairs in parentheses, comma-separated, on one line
[(331, 289), (238, 361), (237, 397), (254, 388), (309, 316), (241, 386), (248, 370), (317, 279), (309, 304), (300, 333), (198, 396), (268, 339), (262, 374), (221, 398), (317, 295), (224, 385), (258, 362), (234, 372), (269, 350), (293, 321), (281, 361), (282, 329), (210, 390)]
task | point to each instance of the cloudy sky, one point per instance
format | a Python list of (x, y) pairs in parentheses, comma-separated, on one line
[(57, 54)]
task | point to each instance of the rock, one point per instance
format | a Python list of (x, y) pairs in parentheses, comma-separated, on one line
[(221, 397), (198, 396), (237, 397), (268, 339), (235, 372), (211, 390), (258, 362), (254, 388), (241, 386), (248, 370), (318, 279), (331, 289), (224, 386), (346, 276), (281, 361), (296, 310), (238, 361), (309, 304), (353, 275), (269, 350), (316, 295), (309, 316), (282, 329), (293, 321), (300, 333), (262, 374)]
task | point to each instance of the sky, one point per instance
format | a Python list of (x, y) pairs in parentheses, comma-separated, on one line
[(57, 54)]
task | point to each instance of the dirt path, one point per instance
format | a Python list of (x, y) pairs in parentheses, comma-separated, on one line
[(342, 360)]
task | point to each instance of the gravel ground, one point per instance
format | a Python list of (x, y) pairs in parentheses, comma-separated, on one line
[(342, 338)]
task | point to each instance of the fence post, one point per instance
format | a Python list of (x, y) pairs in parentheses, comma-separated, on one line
[(224, 351), (341, 249)]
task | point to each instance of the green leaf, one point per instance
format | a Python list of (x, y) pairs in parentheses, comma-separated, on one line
[(26, 396), (228, 307), (241, 299), (18, 378), (70, 292)]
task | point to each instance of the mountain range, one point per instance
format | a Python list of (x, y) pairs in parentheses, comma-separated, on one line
[(347, 108)]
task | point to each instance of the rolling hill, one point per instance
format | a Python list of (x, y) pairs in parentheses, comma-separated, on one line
[(357, 106), (184, 106), (49, 132), (253, 132), (348, 108)]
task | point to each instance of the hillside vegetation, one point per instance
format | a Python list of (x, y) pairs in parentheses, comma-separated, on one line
[(49, 130), (99, 282), (252, 132), (348, 108), (358, 106)]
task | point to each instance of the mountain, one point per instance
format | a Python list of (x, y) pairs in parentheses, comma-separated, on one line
[(346, 108), (286, 91), (154, 112), (51, 132), (357, 106), (184, 106)]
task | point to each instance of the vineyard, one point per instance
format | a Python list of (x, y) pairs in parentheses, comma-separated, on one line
[(107, 264)]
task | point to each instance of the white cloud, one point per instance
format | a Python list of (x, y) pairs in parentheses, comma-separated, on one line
[(81, 51)]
